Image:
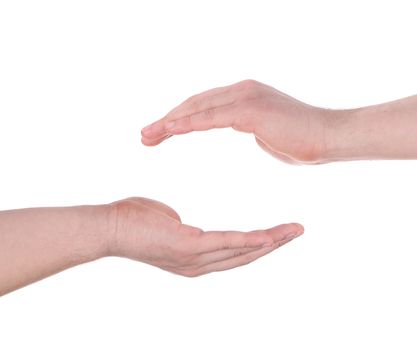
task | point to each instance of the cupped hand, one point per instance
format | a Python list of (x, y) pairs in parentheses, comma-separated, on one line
[(151, 232), (288, 129)]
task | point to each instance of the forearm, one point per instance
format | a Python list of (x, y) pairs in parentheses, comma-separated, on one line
[(385, 131), (38, 242)]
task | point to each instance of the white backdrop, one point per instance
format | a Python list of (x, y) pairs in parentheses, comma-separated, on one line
[(78, 80)]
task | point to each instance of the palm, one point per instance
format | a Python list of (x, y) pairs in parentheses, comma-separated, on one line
[(152, 232)]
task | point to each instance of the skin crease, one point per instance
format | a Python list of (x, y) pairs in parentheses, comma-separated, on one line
[(293, 131), (38, 242)]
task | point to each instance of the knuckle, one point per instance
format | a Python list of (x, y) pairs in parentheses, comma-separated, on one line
[(247, 244), (237, 253), (191, 231), (248, 83), (209, 114), (191, 99), (132, 199), (226, 242), (249, 90), (189, 234)]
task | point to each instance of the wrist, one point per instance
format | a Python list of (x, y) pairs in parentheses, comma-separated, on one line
[(343, 135), (117, 215), (94, 231)]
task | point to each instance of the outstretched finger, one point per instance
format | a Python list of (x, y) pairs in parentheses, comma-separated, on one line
[(240, 260), (209, 99), (225, 254), (220, 255), (221, 117), (154, 142), (219, 240)]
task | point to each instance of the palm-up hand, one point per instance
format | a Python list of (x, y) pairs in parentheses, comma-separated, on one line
[(283, 126), (151, 232)]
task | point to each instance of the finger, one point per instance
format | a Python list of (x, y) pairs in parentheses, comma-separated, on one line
[(213, 118), (209, 99), (154, 142), (220, 255), (218, 240), (221, 117), (239, 260)]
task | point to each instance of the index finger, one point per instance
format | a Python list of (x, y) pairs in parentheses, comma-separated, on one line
[(207, 100)]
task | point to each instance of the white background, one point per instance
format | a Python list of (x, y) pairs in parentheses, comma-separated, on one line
[(78, 80)]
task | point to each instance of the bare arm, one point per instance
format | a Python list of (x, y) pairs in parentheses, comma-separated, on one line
[(385, 131), (294, 131), (38, 242)]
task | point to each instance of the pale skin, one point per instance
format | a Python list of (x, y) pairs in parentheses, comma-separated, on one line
[(38, 242), (294, 131)]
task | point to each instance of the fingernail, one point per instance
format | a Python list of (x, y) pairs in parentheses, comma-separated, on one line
[(299, 227), (170, 124), (147, 129)]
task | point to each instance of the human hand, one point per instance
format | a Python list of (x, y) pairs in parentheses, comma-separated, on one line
[(38, 242), (151, 232), (288, 129)]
